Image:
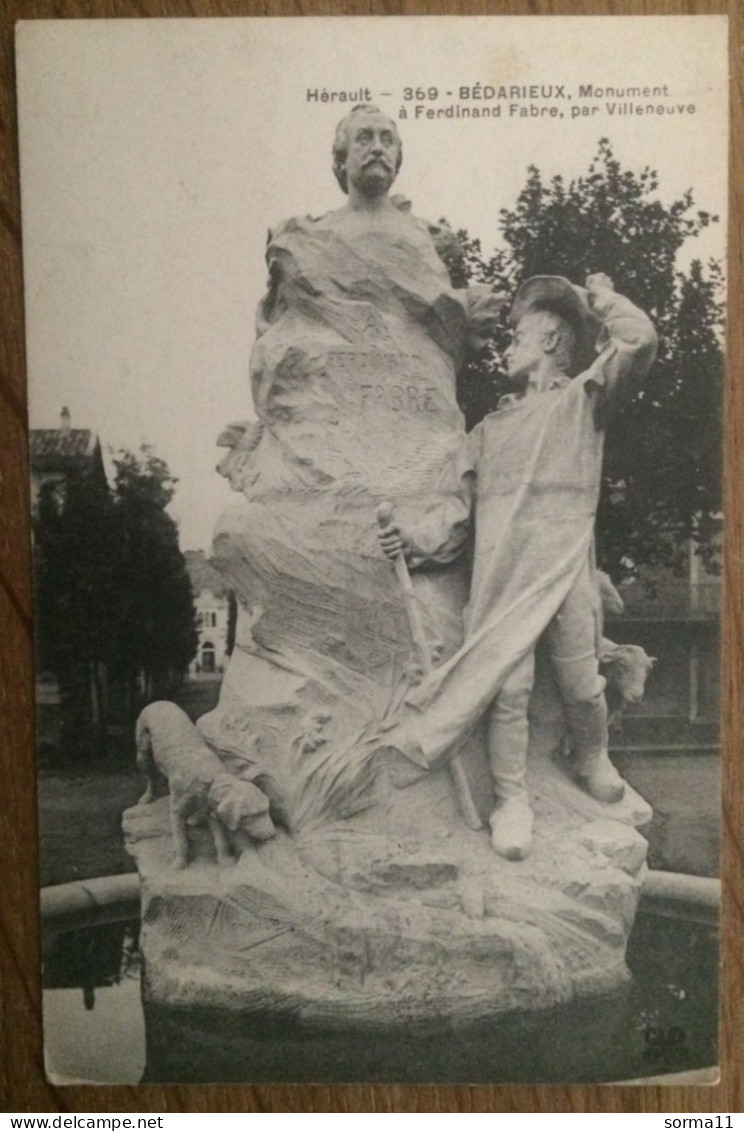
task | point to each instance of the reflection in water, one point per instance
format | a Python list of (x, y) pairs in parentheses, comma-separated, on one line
[(665, 1022), (93, 957), (101, 1038)]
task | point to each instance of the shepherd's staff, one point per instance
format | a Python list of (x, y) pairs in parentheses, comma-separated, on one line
[(410, 600)]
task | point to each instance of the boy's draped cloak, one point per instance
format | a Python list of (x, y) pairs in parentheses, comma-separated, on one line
[(531, 472)]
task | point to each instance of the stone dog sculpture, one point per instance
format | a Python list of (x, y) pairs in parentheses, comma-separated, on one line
[(201, 790)]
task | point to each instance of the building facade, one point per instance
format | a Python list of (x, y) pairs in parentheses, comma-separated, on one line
[(212, 605), (57, 453)]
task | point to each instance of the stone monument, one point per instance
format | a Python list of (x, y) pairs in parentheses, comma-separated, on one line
[(377, 900)]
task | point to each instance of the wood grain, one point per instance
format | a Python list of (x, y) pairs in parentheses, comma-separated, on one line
[(22, 1083)]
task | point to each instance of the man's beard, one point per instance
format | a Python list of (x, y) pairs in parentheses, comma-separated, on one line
[(375, 178)]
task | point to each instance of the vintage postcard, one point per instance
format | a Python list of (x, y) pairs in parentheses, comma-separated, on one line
[(375, 371)]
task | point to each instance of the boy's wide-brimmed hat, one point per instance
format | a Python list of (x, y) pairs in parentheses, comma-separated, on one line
[(559, 296)]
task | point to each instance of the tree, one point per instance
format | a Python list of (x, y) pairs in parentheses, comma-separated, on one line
[(155, 626), (113, 598), (75, 591), (232, 621), (661, 477)]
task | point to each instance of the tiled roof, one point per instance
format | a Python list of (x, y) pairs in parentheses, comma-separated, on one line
[(52, 445)]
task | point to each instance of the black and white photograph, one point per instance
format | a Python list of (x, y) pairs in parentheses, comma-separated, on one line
[(375, 372)]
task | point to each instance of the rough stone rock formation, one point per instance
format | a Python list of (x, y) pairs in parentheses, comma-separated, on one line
[(400, 913), (376, 903)]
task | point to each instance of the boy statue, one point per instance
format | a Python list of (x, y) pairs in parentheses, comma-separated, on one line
[(528, 479)]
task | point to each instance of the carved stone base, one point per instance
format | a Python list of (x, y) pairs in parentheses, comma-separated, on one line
[(397, 915)]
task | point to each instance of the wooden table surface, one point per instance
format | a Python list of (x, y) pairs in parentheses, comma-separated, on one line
[(22, 1083)]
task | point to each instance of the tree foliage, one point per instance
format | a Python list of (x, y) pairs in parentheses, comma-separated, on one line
[(232, 621), (74, 574), (662, 473), (113, 599), (154, 625)]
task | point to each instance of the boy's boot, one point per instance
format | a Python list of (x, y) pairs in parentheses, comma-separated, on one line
[(511, 827)]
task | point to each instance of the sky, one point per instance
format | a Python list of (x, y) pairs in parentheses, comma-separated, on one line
[(156, 154)]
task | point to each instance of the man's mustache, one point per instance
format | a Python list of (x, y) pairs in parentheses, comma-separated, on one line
[(377, 161)]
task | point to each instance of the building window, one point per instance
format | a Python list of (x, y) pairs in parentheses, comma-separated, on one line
[(208, 658)]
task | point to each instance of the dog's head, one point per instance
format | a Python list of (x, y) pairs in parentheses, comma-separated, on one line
[(242, 807)]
